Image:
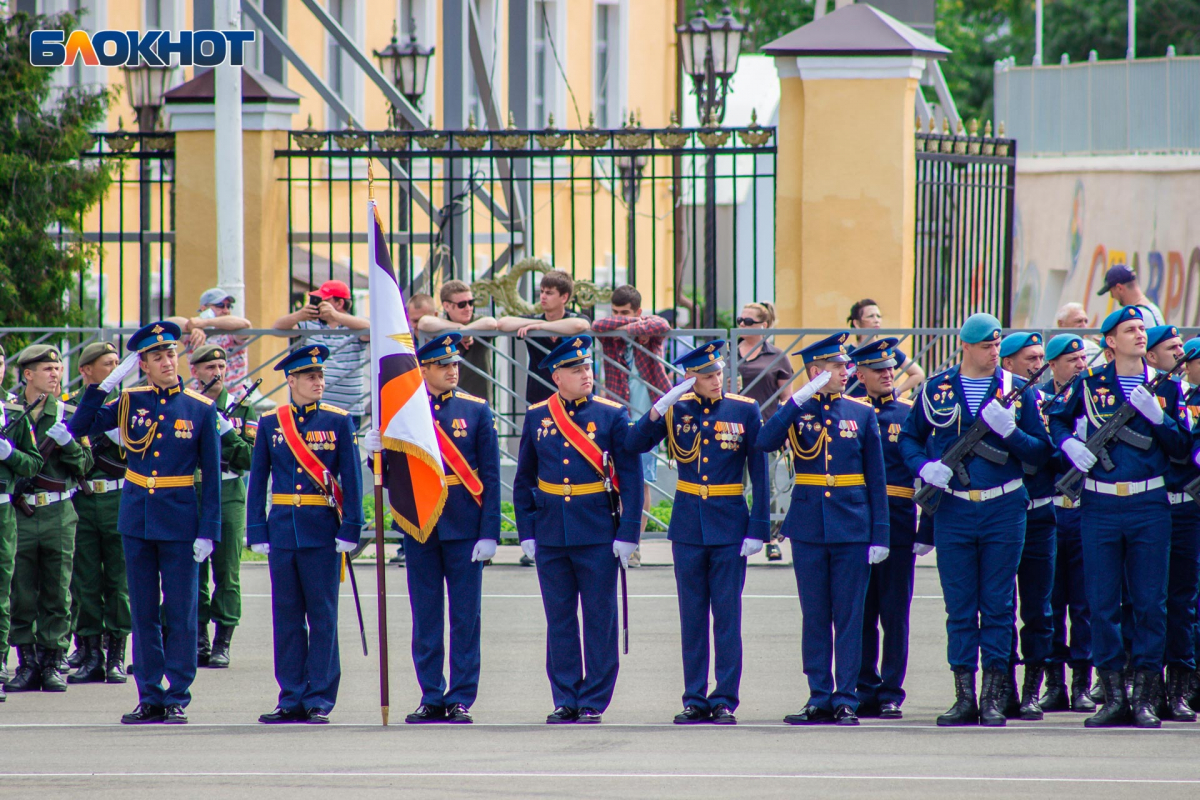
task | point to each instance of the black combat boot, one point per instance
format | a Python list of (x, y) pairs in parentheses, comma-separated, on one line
[(992, 698), (1096, 693), (1178, 684), (52, 679), (220, 648), (203, 649), (92, 668), (965, 710), (114, 668), (4, 676), (1010, 701), (1115, 712), (28, 677), (1193, 686), (1030, 708), (1055, 698), (79, 655), (1081, 690), (1145, 697)]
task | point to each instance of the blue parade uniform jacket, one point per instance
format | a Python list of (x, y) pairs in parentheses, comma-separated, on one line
[(470, 424)]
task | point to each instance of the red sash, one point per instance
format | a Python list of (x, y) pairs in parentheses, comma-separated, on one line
[(306, 458), (587, 448), (458, 463)]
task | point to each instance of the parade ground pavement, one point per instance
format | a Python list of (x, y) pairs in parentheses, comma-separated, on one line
[(71, 745)]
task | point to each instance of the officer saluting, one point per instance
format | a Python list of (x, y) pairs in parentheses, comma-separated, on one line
[(711, 437), (838, 524), (979, 527), (309, 453), (890, 589), (573, 449), (450, 561), (167, 432)]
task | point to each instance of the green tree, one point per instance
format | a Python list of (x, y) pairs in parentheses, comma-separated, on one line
[(44, 183), (765, 20)]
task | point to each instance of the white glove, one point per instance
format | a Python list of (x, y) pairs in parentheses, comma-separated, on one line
[(59, 433), (1147, 405), (877, 554), (373, 441), (262, 549), (485, 550), (751, 547), (529, 548), (806, 391), (937, 474), (623, 550), (202, 549), (114, 435), (1080, 456), (224, 426), (1001, 419), (342, 546), (117, 375), (669, 399), (922, 549), (6, 449)]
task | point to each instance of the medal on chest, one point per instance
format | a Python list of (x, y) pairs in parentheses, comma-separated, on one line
[(459, 427), (686, 424), (847, 429), (183, 429), (728, 434), (321, 440), (894, 432)]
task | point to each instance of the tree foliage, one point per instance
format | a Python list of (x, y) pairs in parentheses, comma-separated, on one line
[(43, 183), (765, 20)]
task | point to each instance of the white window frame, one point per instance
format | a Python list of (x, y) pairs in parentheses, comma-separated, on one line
[(615, 86), (93, 19), (351, 90), (554, 99)]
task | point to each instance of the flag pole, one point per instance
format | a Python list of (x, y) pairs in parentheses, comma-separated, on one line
[(380, 574)]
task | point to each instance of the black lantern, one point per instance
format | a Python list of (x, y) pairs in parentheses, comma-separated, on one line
[(709, 52), (406, 65), (146, 86)]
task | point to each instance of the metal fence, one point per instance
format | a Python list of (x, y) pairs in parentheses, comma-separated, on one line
[(1102, 107)]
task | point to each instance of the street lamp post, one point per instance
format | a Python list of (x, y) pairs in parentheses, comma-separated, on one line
[(630, 169), (709, 54), (145, 86)]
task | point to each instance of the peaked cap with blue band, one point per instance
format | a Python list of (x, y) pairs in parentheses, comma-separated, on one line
[(1120, 315), (154, 336), (1016, 342), (831, 348), (568, 353), (879, 354), (980, 328), (302, 358), (704, 359), (1063, 344), (442, 350), (1159, 334)]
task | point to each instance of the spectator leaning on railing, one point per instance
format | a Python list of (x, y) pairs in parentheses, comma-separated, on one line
[(216, 313), (458, 305), (555, 293)]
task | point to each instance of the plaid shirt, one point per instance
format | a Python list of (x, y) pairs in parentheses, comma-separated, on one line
[(651, 332)]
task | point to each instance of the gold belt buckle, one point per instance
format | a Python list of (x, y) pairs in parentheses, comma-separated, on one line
[(566, 490), (976, 495), (703, 492), (296, 500), (830, 480), (41, 499), (150, 482), (1123, 489)]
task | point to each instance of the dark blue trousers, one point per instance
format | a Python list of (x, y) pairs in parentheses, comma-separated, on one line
[(435, 569), (304, 604), (1127, 540), (889, 598), (1035, 586), (163, 580), (832, 582), (1183, 584), (709, 582), (1070, 596), (979, 547), (583, 673)]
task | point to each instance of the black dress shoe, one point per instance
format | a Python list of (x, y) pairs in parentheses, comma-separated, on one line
[(588, 716), (317, 717), (144, 714), (869, 710), (562, 716), (425, 714), (283, 715), (525, 561), (458, 714), (810, 715), (691, 716), (721, 715), (844, 715), (890, 711), (175, 715)]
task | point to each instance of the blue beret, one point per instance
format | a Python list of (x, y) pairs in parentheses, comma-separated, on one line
[(879, 354), (1063, 343), (1191, 349), (154, 336), (1159, 334), (1117, 317), (831, 348), (980, 328), (704, 359), (1015, 342), (304, 357), (568, 353), (442, 350)]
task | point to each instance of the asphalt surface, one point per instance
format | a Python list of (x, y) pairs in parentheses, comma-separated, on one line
[(59, 745)]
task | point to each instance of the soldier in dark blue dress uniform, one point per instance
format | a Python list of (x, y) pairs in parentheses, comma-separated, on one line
[(711, 437), (979, 527), (571, 525), (1126, 514), (450, 562), (308, 451), (890, 589), (837, 522), (167, 432)]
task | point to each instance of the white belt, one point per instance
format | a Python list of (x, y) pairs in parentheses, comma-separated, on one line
[(5, 499), (1123, 488), (40, 499), (227, 476), (105, 486), (1065, 502), (1178, 498), (980, 495), (1041, 502)]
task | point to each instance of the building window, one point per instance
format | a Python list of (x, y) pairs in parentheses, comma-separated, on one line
[(548, 49), (342, 74), (607, 68)]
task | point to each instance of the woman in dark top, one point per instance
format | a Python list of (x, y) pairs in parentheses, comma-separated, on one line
[(909, 375)]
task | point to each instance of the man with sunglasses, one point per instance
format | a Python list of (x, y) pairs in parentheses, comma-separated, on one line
[(458, 308)]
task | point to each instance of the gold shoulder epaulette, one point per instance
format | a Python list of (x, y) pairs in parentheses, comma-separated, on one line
[(1092, 371), (608, 402), (741, 397), (197, 396), (138, 389), (688, 396), (859, 400), (538, 405), (465, 396), (269, 413), (904, 400), (326, 407)]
